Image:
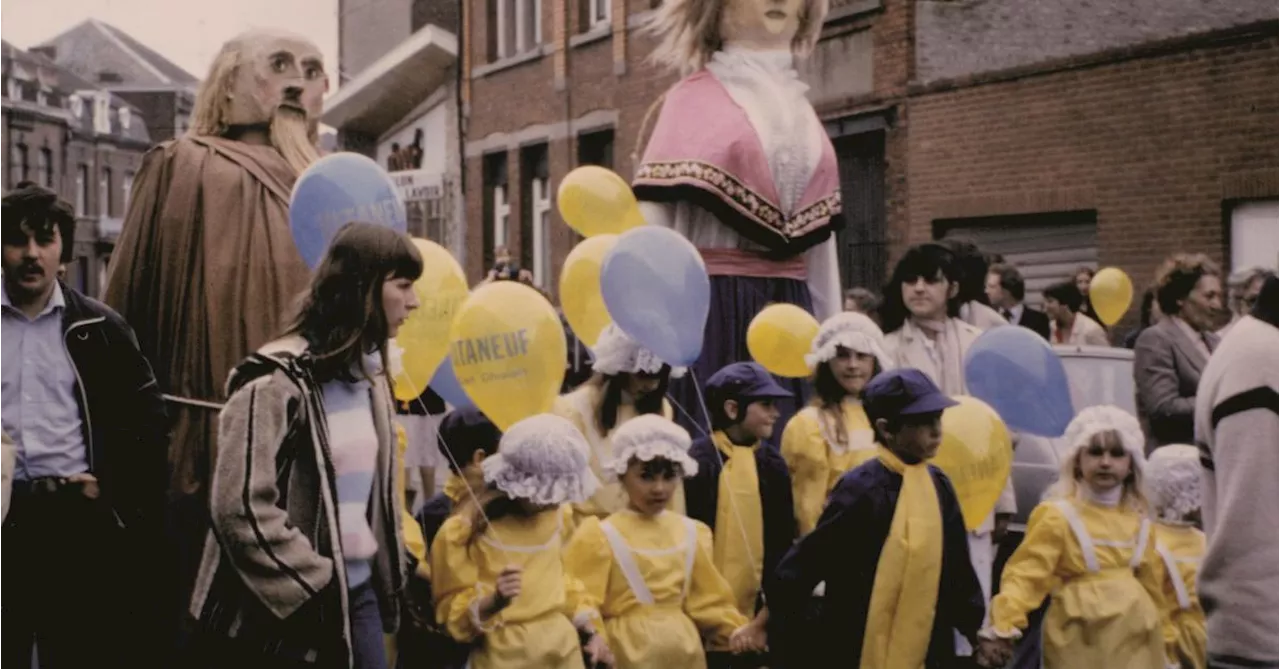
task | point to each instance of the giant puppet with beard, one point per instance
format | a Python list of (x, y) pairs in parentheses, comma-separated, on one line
[(758, 191), (205, 269)]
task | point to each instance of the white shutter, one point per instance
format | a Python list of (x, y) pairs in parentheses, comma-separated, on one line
[(1045, 254)]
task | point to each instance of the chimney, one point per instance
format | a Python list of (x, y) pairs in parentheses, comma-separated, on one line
[(50, 51)]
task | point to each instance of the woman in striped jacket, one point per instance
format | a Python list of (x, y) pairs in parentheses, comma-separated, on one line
[(304, 564)]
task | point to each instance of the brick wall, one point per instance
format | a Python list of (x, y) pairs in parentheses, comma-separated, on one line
[(606, 83), (1156, 143)]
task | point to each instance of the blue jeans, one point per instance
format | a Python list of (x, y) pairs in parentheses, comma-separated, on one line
[(366, 628)]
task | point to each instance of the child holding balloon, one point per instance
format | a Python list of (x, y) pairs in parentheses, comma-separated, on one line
[(1089, 544), (629, 381), (742, 490), (649, 572), (1173, 488), (833, 435), (498, 576)]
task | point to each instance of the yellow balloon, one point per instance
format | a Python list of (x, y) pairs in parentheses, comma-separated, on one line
[(977, 455), (596, 201), (1111, 293), (424, 337), (508, 351), (580, 295), (779, 337)]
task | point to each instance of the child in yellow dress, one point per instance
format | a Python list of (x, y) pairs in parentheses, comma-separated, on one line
[(498, 576), (832, 435), (629, 381), (1173, 488), (648, 571), (1089, 545)]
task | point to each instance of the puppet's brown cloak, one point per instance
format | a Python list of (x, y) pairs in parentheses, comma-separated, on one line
[(206, 272)]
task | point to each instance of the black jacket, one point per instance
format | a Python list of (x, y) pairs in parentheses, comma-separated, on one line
[(122, 411), (844, 551), (1036, 321), (702, 493)]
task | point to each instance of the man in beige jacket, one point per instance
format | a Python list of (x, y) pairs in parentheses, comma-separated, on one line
[(1066, 324)]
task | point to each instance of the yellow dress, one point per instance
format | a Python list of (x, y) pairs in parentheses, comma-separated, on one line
[(1181, 547), (653, 582), (536, 629), (1100, 565), (816, 461), (581, 407)]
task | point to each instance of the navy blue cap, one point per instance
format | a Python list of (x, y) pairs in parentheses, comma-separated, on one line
[(747, 380), (903, 392)]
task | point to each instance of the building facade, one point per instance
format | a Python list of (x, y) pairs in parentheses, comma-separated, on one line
[(1117, 134), (111, 59), (550, 85), (397, 102), (82, 142)]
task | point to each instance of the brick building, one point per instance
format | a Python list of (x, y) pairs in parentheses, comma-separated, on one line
[(1066, 134), (111, 59), (64, 133)]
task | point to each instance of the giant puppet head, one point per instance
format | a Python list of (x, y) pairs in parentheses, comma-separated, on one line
[(690, 31), (266, 79)]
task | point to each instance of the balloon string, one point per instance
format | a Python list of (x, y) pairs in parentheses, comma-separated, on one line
[(448, 453), (733, 501)]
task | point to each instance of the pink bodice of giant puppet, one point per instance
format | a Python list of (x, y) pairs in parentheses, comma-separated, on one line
[(738, 161)]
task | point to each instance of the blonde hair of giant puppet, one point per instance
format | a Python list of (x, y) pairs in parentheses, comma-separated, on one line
[(213, 101), (689, 31)]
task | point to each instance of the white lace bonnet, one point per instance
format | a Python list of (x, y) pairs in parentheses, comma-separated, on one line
[(647, 437), (543, 459), (1094, 420), (1172, 481), (617, 353), (853, 331)]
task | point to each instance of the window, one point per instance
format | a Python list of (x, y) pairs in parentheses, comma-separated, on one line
[(596, 148), (516, 27), (12, 89), (104, 193), (82, 190), (497, 205), (44, 174), (102, 114), (535, 218), (18, 167), (125, 118), (595, 13), (1254, 234), (126, 189), (77, 106), (45, 166)]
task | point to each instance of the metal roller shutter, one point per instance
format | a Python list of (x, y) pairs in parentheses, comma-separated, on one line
[(1044, 251)]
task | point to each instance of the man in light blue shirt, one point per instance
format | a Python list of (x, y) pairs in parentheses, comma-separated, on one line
[(83, 410)]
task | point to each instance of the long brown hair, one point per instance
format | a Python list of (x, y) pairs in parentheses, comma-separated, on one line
[(829, 395), (341, 315)]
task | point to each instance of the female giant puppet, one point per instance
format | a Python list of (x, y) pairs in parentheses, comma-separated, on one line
[(206, 270), (739, 164)]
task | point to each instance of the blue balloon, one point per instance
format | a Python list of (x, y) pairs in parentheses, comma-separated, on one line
[(1014, 370), (336, 190), (656, 289), (446, 385)]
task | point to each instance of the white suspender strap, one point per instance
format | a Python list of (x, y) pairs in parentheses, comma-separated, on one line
[(1175, 576), (691, 548), (1140, 550), (1082, 534), (627, 563)]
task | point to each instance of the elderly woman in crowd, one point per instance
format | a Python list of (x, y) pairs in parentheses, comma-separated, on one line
[(1170, 355)]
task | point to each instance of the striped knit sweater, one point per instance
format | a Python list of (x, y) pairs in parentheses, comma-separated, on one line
[(353, 443), (1237, 432)]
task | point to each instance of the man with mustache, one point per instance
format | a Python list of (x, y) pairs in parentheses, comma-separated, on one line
[(206, 269), (86, 423)]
